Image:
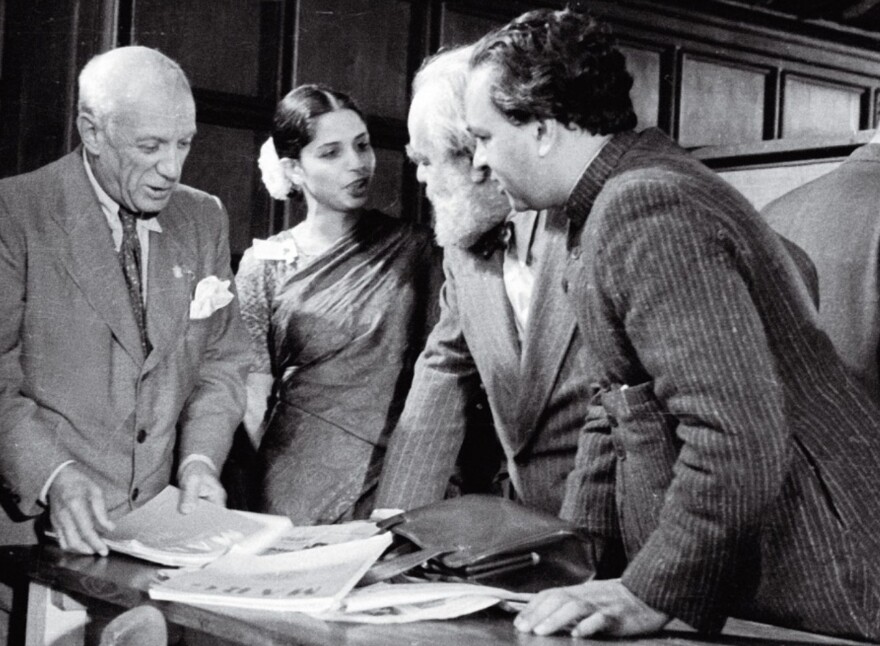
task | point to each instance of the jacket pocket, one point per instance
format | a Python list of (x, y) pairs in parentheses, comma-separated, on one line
[(643, 434)]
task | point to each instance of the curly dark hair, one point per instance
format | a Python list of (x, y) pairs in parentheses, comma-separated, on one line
[(293, 126), (561, 65)]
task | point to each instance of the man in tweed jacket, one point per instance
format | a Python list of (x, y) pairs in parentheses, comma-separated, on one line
[(536, 379), (747, 454)]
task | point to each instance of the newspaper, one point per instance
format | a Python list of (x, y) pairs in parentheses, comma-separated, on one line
[(158, 532), (307, 537), (313, 580), (392, 603)]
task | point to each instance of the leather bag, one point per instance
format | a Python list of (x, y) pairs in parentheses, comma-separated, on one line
[(486, 539)]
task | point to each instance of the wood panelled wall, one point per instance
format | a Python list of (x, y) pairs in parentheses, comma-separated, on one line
[(739, 90)]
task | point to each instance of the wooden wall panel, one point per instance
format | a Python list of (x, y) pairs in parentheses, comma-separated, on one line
[(460, 27), (45, 44), (721, 103), (215, 41), (223, 162), (763, 184), (387, 184), (359, 47), (816, 108), (644, 65)]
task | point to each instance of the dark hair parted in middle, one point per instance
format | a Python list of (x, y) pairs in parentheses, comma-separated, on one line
[(559, 65), (293, 126)]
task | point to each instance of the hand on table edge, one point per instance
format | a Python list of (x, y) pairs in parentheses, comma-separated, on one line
[(604, 607)]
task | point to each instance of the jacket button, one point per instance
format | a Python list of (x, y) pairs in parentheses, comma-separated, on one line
[(621, 453), (141, 436), (612, 421), (135, 494), (576, 253), (565, 285)]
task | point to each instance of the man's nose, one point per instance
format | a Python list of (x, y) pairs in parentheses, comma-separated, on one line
[(479, 161), (171, 164)]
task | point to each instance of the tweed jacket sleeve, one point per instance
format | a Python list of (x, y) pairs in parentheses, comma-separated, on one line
[(426, 442), (674, 293)]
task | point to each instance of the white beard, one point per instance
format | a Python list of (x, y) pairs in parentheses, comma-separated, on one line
[(464, 211)]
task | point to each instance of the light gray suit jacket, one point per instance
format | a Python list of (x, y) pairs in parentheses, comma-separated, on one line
[(836, 220), (539, 393), (74, 383)]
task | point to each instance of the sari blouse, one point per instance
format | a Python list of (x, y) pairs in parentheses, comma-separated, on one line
[(339, 333)]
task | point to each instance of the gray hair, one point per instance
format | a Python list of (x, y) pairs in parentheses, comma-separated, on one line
[(109, 77), (438, 99)]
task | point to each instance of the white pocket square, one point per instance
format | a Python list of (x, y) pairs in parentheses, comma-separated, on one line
[(211, 295)]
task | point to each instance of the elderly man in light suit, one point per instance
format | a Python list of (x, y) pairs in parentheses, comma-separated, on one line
[(121, 351), (504, 323)]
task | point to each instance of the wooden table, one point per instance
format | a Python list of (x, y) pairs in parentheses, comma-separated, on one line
[(41, 575)]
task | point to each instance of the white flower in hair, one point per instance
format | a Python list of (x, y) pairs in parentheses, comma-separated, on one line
[(274, 178)]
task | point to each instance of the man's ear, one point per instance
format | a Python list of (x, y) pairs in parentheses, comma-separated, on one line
[(545, 135), (89, 132)]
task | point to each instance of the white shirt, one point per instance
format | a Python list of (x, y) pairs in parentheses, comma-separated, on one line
[(522, 258), (521, 261)]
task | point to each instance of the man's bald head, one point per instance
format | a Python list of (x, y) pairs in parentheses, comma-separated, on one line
[(137, 120), (113, 81)]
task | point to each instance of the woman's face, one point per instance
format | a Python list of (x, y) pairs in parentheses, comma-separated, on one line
[(334, 170)]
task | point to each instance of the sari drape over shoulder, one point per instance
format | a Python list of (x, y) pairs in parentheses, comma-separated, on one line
[(339, 334)]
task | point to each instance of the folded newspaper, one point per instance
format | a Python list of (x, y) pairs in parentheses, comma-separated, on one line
[(394, 603), (312, 580), (158, 532)]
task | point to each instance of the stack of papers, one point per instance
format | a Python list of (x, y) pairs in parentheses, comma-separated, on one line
[(158, 532), (392, 603), (259, 562), (309, 536), (313, 580)]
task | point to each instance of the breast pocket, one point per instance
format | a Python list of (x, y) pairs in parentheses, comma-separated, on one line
[(195, 339), (643, 434)]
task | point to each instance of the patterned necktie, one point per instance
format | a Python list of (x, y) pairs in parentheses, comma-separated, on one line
[(130, 258)]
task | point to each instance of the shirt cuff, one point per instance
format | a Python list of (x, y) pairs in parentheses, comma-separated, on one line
[(195, 457), (44, 492)]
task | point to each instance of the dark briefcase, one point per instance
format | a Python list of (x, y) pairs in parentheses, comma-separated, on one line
[(487, 539)]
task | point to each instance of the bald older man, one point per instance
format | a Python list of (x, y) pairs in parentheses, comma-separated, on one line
[(122, 357)]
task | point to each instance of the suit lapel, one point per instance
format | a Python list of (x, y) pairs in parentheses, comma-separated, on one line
[(549, 331), (92, 260), (483, 287), (171, 280)]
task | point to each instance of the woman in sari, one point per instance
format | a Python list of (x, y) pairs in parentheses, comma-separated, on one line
[(336, 308)]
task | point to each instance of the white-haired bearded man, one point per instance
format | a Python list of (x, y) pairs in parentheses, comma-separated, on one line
[(504, 327)]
